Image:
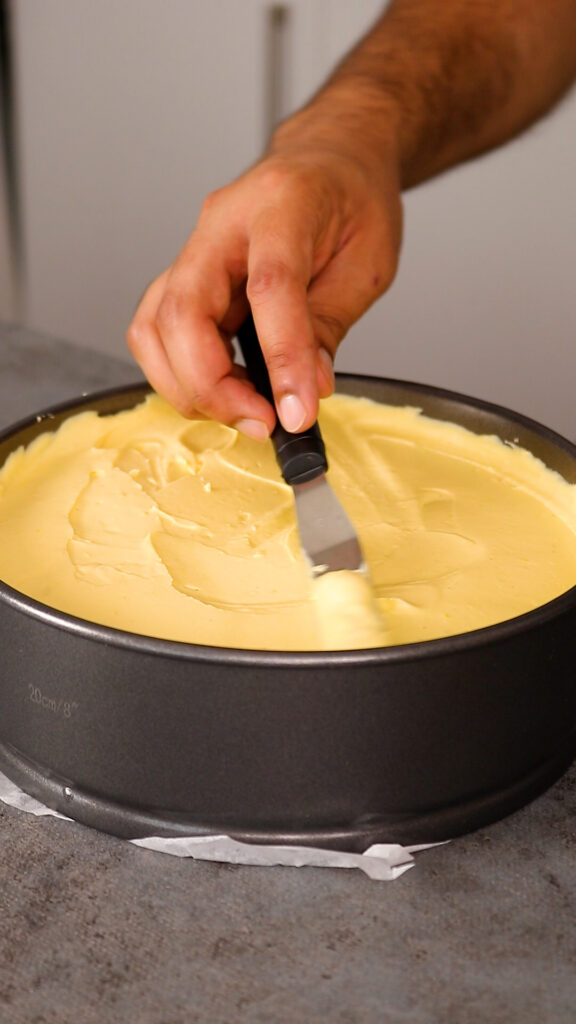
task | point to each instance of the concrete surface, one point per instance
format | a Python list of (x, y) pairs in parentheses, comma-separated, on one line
[(94, 930)]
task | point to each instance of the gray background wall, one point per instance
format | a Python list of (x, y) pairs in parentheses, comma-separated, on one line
[(129, 113)]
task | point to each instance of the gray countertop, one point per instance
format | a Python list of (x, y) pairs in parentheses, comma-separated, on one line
[(93, 929)]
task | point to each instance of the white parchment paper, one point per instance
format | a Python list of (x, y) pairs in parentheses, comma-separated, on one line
[(382, 862)]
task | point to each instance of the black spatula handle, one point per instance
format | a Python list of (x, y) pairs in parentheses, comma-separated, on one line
[(300, 456)]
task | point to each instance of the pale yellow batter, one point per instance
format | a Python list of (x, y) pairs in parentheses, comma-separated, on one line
[(185, 530)]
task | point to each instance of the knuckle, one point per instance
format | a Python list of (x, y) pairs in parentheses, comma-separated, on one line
[(194, 399), (171, 310), (135, 337), (204, 390), (274, 178), (331, 325), (267, 276), (273, 174), (183, 404), (212, 201), (277, 176), (278, 360), (190, 406)]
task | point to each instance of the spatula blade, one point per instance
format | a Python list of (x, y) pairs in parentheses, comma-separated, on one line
[(328, 538)]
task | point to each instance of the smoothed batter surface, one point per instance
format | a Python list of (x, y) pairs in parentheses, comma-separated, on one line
[(185, 530)]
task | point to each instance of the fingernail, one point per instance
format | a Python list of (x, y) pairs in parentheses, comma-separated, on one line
[(256, 429), (291, 412), (327, 365)]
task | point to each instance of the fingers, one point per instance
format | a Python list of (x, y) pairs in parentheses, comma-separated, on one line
[(280, 264), (177, 339), (144, 342)]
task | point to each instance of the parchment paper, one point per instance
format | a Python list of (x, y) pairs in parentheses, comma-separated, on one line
[(381, 862)]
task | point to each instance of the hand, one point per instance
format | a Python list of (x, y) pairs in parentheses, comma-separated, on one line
[(309, 237)]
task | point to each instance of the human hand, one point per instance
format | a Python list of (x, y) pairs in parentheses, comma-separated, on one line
[(308, 238)]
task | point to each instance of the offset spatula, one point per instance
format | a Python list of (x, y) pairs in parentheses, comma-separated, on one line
[(327, 536)]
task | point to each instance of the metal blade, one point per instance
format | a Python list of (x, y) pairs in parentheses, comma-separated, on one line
[(328, 537)]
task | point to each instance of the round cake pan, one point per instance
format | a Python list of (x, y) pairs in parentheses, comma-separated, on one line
[(416, 743)]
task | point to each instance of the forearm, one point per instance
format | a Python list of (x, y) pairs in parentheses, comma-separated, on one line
[(441, 81)]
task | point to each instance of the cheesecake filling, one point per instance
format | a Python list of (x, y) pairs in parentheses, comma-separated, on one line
[(184, 529)]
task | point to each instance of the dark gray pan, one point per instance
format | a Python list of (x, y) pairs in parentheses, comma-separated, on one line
[(416, 743)]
